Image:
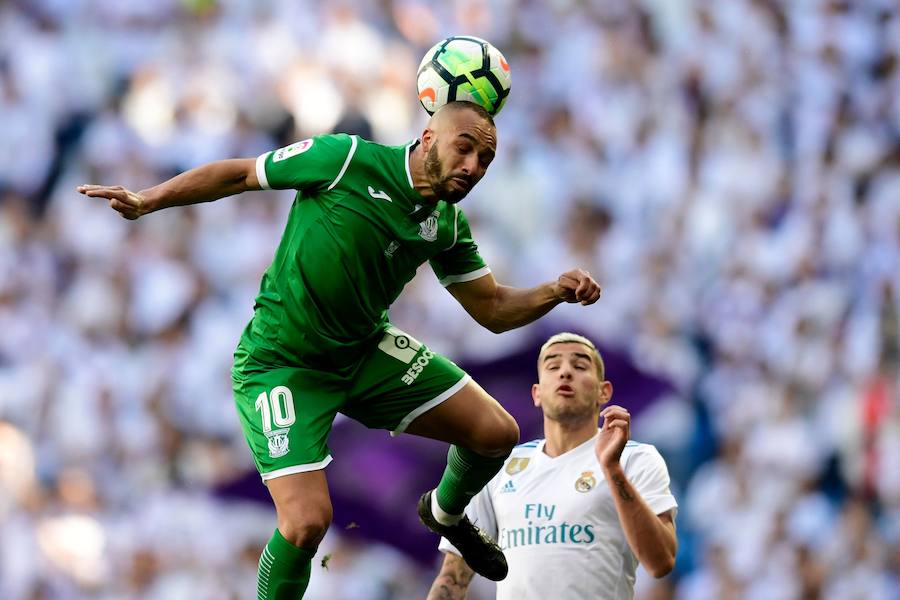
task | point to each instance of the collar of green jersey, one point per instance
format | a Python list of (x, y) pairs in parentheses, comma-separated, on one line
[(421, 211)]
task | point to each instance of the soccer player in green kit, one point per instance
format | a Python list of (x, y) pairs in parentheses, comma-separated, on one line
[(365, 217)]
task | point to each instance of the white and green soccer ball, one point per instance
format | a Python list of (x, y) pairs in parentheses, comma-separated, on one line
[(463, 67)]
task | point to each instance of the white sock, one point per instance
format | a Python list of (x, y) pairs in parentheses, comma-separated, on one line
[(442, 516)]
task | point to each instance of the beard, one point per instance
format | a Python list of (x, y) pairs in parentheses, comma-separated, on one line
[(440, 184), (568, 415), (571, 411)]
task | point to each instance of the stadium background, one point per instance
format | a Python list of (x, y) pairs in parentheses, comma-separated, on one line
[(729, 172)]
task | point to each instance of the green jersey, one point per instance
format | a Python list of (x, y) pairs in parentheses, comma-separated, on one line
[(356, 234)]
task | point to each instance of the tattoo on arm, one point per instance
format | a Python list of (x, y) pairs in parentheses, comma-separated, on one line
[(443, 592), (622, 489), (453, 581)]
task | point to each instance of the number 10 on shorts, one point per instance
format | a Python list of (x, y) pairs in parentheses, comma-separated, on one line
[(277, 405)]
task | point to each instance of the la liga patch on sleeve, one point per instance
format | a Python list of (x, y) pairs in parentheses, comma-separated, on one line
[(292, 150)]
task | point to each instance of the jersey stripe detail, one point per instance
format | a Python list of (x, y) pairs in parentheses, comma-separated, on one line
[(430, 404), (297, 469), (406, 164), (346, 162), (470, 276), (261, 171), (455, 226)]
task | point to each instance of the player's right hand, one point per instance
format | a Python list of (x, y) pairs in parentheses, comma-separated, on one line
[(577, 285), (130, 205)]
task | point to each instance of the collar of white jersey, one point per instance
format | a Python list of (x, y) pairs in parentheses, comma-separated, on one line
[(539, 450)]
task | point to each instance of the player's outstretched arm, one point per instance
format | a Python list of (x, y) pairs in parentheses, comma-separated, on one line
[(452, 583), (500, 308), (205, 183)]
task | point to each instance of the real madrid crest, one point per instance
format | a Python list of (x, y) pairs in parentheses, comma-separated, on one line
[(517, 465), (428, 229), (586, 482)]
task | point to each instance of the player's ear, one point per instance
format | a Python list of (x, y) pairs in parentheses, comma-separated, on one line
[(427, 139), (606, 392), (536, 394)]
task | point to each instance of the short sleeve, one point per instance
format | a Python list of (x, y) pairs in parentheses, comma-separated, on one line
[(647, 472), (315, 163), (461, 261), (481, 512)]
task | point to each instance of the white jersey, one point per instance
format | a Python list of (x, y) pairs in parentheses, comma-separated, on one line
[(556, 521)]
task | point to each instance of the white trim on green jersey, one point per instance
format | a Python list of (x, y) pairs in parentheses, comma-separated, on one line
[(406, 163), (261, 171), (556, 521), (470, 276), (429, 405), (346, 163), (297, 469), (455, 226)]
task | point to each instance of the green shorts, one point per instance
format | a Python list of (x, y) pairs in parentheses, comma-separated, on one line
[(287, 412)]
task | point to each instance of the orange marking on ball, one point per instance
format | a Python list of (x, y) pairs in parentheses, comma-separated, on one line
[(428, 93), (503, 64)]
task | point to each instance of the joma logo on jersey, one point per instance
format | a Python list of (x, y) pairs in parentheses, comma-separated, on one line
[(379, 194), (415, 369)]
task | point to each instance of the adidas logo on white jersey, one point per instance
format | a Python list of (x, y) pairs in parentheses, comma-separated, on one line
[(509, 487)]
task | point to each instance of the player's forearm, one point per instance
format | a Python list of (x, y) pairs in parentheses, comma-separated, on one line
[(446, 588), (452, 583), (203, 184), (652, 541), (515, 307)]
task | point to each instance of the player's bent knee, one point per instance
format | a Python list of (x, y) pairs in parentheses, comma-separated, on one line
[(508, 436), (305, 528), (497, 438)]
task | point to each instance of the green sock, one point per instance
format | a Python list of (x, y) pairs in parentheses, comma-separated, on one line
[(283, 570), (465, 475)]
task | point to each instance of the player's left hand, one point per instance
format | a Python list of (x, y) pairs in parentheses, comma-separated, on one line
[(614, 434), (577, 285)]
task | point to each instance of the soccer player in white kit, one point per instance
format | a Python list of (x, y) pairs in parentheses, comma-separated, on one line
[(574, 512)]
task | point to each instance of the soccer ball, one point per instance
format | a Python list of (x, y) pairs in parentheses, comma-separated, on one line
[(463, 68)]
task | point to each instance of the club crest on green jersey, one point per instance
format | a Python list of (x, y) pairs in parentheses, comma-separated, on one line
[(278, 442), (428, 229)]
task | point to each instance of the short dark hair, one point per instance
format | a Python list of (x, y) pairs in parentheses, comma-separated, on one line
[(467, 105)]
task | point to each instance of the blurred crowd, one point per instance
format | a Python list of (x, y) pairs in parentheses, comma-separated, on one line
[(729, 172)]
